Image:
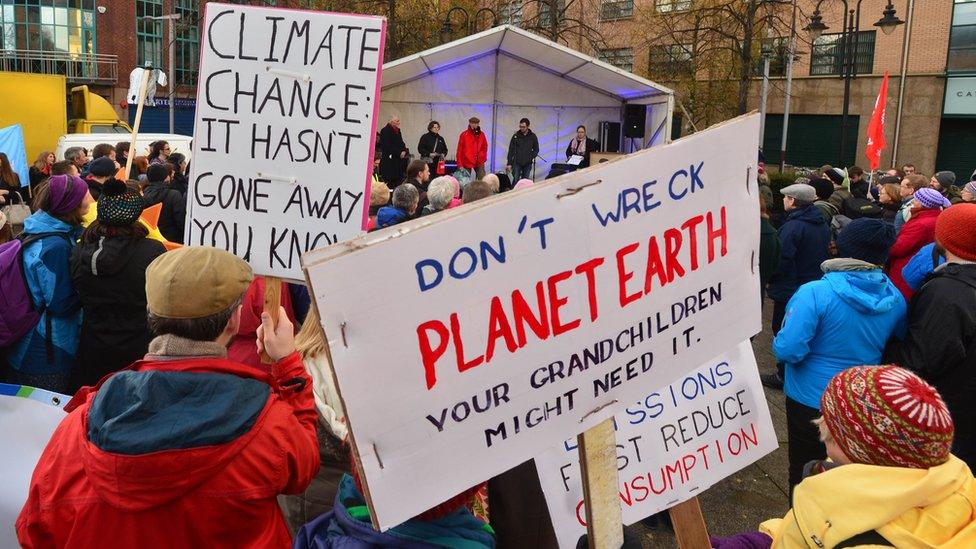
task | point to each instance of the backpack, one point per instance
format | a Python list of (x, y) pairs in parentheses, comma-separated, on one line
[(857, 207), (837, 224), (18, 312)]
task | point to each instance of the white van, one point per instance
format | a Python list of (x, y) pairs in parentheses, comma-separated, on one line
[(177, 143)]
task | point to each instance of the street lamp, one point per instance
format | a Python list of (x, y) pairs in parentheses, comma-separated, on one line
[(848, 47), (172, 42), (471, 23)]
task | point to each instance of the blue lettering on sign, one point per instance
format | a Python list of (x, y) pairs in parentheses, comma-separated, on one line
[(463, 263), (637, 200)]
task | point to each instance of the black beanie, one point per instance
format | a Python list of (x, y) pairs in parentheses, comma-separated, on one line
[(866, 239), (823, 187), (117, 205)]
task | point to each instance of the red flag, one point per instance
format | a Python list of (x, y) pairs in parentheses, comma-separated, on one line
[(876, 138)]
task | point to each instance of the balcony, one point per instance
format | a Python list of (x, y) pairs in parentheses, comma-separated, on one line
[(78, 68)]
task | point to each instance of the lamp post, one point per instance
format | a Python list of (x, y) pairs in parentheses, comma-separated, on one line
[(470, 23), (172, 43), (848, 46)]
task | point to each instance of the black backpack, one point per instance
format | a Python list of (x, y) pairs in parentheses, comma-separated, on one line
[(857, 207)]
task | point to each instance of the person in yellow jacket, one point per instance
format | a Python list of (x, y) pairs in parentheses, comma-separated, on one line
[(889, 480)]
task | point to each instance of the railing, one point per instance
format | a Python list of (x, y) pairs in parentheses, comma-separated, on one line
[(78, 68)]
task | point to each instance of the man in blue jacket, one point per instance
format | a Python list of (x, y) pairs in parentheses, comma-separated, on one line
[(839, 321), (804, 244)]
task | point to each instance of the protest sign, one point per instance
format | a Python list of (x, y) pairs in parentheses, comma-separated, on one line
[(28, 418), (284, 132), (672, 443), (469, 341)]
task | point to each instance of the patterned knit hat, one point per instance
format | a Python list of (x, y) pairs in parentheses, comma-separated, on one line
[(117, 205), (954, 230), (886, 415), (928, 197)]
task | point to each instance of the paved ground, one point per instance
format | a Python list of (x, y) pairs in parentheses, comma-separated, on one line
[(758, 492)]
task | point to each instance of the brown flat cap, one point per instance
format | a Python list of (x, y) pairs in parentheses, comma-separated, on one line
[(195, 281), (474, 120)]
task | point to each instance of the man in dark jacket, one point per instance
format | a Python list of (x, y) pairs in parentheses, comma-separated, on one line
[(184, 432), (804, 244), (100, 170), (522, 150), (172, 218), (394, 161), (941, 341)]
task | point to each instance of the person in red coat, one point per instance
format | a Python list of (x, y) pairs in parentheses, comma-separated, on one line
[(184, 448), (472, 149), (916, 233)]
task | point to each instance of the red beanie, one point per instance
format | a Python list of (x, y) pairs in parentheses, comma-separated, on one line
[(886, 415), (955, 230)]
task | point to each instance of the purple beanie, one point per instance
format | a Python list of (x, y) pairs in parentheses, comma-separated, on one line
[(930, 198), (67, 192)]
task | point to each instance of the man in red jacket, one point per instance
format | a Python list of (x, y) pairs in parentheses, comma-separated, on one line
[(472, 149), (184, 448)]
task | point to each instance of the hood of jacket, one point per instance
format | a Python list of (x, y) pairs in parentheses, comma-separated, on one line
[(861, 285), (962, 272), (807, 214), (348, 526), (388, 215), (43, 222), (909, 507), (152, 435), (107, 257)]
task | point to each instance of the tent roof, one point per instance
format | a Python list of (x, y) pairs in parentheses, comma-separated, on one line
[(529, 48)]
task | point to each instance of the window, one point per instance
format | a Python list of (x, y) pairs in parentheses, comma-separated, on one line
[(545, 12), (66, 26), (616, 9), (962, 37), (510, 13), (667, 6), (187, 42), (671, 60), (622, 58), (778, 50), (149, 34), (827, 57)]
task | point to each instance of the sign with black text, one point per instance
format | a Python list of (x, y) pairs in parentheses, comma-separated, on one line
[(469, 341), (285, 125)]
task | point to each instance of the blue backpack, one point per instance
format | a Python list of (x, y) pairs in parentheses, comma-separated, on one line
[(18, 312)]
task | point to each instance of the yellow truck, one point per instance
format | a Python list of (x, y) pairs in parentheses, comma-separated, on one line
[(38, 103)]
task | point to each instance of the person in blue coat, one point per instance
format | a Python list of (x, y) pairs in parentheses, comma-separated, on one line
[(44, 356), (804, 244), (842, 320), (348, 526), (921, 265)]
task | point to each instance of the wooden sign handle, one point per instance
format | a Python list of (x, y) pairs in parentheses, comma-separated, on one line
[(138, 120), (689, 525), (598, 467), (272, 302)]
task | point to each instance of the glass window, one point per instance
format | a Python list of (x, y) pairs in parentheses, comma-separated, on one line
[(622, 58), (545, 11), (187, 52), (964, 13), (616, 9), (510, 13), (149, 33), (778, 50), (962, 37), (48, 25), (827, 57), (667, 6), (670, 60)]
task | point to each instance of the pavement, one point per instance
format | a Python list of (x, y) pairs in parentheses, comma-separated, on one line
[(742, 501)]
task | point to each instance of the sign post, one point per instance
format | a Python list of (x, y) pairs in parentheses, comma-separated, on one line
[(598, 467), (465, 343), (138, 120)]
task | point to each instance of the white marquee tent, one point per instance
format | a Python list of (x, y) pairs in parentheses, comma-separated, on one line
[(506, 73)]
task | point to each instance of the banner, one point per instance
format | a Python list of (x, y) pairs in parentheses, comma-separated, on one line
[(12, 144), (876, 137), (283, 139), (28, 417), (672, 443), (472, 340)]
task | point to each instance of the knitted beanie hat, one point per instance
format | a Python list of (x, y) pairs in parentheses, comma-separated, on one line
[(931, 198), (955, 230), (866, 239), (946, 178), (824, 187), (117, 205), (836, 175), (886, 415)]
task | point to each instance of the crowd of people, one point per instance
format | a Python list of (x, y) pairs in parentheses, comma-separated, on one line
[(194, 403)]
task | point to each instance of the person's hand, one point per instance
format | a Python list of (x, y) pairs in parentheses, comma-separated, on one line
[(278, 340), (403, 154), (3, 196)]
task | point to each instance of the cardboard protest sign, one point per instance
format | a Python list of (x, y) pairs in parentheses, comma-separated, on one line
[(285, 126), (28, 418), (469, 341), (672, 443)]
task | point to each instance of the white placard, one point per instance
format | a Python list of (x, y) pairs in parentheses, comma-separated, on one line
[(672, 443), (285, 125), (469, 341)]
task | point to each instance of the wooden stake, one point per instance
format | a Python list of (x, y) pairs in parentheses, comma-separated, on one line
[(689, 525), (138, 119), (272, 304), (598, 466)]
